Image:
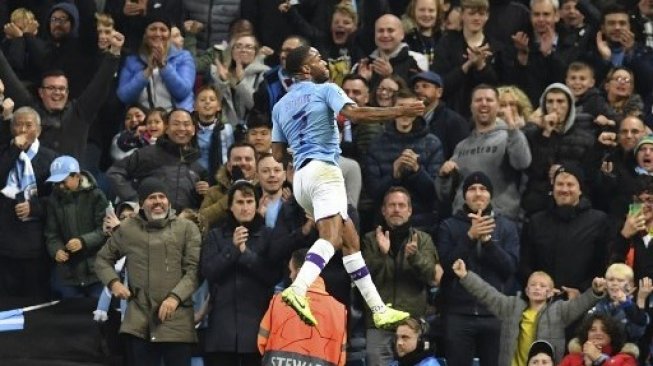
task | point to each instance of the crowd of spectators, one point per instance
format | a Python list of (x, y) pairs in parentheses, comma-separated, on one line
[(532, 165)]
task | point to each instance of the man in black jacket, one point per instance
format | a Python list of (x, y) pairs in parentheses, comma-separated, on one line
[(445, 123), (65, 123), (173, 159), (570, 240), (490, 243), (24, 167)]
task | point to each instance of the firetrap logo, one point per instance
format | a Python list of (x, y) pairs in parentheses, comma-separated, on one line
[(478, 150)]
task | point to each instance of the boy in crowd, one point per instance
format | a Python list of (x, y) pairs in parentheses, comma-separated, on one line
[(73, 229), (526, 319)]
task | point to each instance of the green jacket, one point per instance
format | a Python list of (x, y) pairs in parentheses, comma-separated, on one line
[(162, 257), (400, 280), (77, 214)]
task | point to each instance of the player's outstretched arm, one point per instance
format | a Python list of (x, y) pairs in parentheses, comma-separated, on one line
[(375, 114)]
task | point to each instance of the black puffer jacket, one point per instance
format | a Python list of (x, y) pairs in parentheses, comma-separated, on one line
[(176, 166), (573, 144), (569, 243)]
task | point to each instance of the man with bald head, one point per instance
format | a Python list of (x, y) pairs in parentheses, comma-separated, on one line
[(620, 168), (392, 55)]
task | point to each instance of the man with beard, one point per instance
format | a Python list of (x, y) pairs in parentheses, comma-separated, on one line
[(570, 240), (68, 45), (162, 253), (489, 243), (305, 119), (402, 261)]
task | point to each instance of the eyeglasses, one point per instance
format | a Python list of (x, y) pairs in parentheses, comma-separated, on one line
[(59, 20), (246, 47), (52, 88), (622, 80), (386, 90)]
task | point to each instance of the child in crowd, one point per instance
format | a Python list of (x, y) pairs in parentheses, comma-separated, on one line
[(73, 231), (125, 142), (540, 354), (259, 132), (536, 316), (589, 100), (214, 133), (155, 125), (620, 304), (145, 133)]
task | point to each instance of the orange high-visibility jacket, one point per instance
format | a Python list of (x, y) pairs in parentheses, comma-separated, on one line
[(284, 338)]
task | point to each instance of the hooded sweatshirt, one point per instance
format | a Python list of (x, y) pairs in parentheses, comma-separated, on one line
[(501, 154), (572, 144)]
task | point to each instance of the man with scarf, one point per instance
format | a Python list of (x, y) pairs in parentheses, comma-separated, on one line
[(24, 167), (402, 261), (489, 243)]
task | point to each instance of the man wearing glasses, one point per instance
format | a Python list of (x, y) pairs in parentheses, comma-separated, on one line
[(65, 123)]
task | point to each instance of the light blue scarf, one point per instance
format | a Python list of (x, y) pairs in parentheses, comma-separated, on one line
[(21, 179)]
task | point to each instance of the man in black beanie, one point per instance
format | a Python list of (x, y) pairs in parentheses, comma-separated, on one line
[(569, 240), (162, 253), (490, 242)]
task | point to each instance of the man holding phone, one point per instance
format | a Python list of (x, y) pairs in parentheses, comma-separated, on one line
[(241, 164)]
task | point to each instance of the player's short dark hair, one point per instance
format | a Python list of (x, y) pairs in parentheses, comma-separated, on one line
[(296, 58)]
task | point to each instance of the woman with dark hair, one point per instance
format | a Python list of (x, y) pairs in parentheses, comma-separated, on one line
[(600, 341), (384, 94)]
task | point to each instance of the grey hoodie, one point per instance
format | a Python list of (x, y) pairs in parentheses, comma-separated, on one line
[(501, 154), (571, 115)]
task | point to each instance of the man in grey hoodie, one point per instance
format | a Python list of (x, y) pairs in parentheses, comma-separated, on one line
[(495, 147), (555, 139)]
